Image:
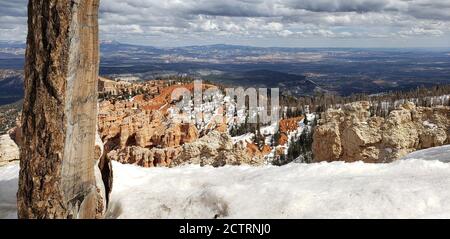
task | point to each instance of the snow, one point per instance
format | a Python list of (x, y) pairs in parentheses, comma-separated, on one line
[(270, 129), (245, 138), (429, 125), (404, 189), (440, 153), (8, 189), (310, 117), (416, 187)]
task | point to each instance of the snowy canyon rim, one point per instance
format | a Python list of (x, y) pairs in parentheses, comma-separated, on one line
[(77, 125)]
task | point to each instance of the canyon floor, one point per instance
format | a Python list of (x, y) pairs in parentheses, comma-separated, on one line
[(416, 187)]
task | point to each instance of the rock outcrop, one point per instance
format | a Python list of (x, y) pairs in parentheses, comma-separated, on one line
[(351, 134), (215, 149), (131, 125), (59, 176), (155, 157), (9, 151), (144, 132), (287, 126)]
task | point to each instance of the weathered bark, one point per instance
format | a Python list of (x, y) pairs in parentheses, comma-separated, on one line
[(58, 176)]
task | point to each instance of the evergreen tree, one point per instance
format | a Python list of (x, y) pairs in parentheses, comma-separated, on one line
[(305, 120)]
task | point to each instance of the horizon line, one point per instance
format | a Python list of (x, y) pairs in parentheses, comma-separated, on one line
[(252, 46)]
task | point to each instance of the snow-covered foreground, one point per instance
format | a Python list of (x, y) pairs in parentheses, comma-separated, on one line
[(404, 189), (413, 188), (8, 189), (439, 153)]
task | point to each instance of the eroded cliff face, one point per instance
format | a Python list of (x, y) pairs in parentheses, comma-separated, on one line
[(350, 134), (145, 132), (58, 160), (150, 138)]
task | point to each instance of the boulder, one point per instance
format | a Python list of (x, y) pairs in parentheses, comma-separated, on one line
[(215, 149), (350, 134), (9, 151)]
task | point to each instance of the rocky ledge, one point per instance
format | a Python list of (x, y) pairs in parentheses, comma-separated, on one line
[(351, 134), (9, 151)]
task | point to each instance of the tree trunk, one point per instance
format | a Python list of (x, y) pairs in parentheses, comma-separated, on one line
[(59, 169)]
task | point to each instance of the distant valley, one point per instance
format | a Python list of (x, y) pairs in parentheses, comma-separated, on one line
[(296, 71), (338, 70), (11, 86)]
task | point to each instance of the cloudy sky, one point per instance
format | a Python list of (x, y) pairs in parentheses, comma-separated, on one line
[(287, 23)]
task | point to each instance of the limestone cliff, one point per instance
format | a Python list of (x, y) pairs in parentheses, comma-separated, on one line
[(143, 131), (350, 134), (215, 149)]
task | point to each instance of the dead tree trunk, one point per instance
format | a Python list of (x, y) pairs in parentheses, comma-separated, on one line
[(59, 176)]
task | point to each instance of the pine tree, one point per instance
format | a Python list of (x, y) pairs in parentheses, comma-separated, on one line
[(305, 120)]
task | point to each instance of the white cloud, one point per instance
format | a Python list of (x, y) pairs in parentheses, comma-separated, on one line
[(285, 33), (416, 31), (123, 29), (263, 19)]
